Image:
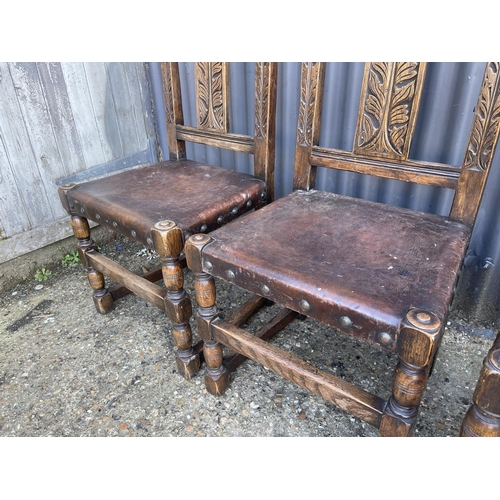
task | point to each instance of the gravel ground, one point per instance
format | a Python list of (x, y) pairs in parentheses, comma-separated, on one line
[(65, 370)]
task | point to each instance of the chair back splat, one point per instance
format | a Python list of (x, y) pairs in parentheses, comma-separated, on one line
[(382, 274), (161, 205), (212, 99)]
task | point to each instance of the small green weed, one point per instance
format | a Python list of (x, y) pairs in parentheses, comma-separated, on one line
[(70, 259), (43, 274)]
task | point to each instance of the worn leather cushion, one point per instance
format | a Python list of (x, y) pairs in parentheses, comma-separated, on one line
[(344, 257), (190, 193)]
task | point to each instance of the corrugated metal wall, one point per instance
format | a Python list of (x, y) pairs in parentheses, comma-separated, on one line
[(448, 101)]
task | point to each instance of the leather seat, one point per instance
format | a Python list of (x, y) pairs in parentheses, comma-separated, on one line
[(197, 196), (335, 258)]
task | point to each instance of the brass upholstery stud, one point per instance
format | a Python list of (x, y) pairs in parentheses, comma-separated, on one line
[(220, 220), (234, 211), (203, 228), (304, 305), (264, 289), (385, 338), (230, 275), (133, 233), (249, 204), (208, 265), (345, 321)]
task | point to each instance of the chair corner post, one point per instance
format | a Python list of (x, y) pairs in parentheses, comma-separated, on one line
[(417, 345)]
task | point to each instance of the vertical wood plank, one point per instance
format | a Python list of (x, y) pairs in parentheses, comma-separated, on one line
[(38, 123), (145, 98), (61, 116), (80, 102), (32, 194), (13, 217), (104, 110), (136, 104), (124, 110)]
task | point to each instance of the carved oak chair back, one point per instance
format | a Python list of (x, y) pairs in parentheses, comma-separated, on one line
[(212, 115), (160, 205), (382, 274), (390, 101)]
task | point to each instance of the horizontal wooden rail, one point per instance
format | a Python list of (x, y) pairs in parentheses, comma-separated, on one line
[(241, 143), (120, 291), (284, 317), (432, 174), (151, 292), (346, 396), (247, 310), (238, 318)]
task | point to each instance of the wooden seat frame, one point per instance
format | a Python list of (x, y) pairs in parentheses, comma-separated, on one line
[(167, 236), (382, 151)]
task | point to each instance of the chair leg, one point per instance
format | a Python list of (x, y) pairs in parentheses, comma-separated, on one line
[(417, 345), (216, 374), (168, 243), (103, 300), (483, 417)]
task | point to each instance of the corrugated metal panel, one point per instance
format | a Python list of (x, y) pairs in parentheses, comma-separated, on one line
[(448, 101)]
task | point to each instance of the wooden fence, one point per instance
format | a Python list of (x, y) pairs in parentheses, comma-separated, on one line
[(57, 120)]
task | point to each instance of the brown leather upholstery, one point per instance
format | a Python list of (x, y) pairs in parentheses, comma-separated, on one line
[(192, 194), (339, 254)]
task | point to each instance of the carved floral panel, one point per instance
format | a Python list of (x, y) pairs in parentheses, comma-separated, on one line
[(308, 96), (486, 124), (262, 82), (390, 99), (211, 88), (167, 92)]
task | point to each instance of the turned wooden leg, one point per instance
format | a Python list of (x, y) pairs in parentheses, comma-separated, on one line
[(483, 417), (417, 345), (168, 244), (216, 374), (103, 300)]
